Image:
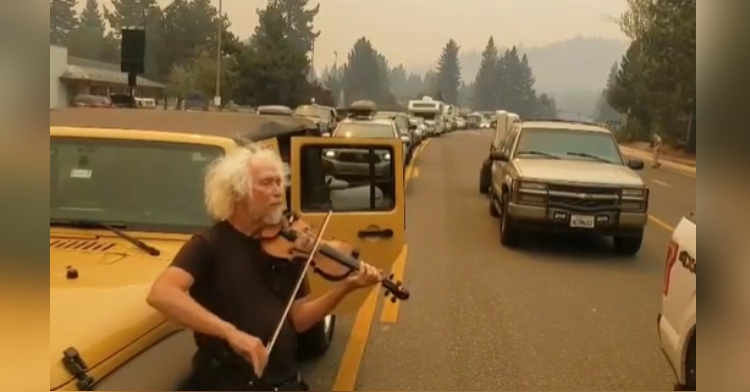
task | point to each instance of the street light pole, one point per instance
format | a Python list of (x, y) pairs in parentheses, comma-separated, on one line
[(219, 31)]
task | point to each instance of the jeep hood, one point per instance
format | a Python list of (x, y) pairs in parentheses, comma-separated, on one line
[(578, 172), (104, 309)]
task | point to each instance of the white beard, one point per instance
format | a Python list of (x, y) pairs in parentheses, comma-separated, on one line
[(274, 217)]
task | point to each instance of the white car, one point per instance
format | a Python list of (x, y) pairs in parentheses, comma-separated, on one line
[(677, 331)]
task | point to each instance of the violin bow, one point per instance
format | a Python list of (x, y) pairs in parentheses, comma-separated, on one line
[(300, 280)]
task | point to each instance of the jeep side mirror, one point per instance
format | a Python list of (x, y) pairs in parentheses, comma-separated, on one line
[(497, 156), (636, 164)]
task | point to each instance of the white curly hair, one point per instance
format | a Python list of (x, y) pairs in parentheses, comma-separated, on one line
[(229, 179)]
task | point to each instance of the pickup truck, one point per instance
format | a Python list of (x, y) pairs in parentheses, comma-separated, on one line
[(676, 321)]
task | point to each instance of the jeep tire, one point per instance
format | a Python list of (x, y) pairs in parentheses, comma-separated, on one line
[(509, 235), (629, 245), (316, 342)]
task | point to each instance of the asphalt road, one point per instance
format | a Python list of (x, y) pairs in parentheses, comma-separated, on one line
[(559, 314)]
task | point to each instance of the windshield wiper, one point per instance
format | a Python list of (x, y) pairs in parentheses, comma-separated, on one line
[(585, 155), (538, 153), (113, 227)]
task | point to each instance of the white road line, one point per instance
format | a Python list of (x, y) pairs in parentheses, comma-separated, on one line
[(664, 184)]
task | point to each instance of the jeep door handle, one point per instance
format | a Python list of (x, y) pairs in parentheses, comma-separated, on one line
[(376, 234)]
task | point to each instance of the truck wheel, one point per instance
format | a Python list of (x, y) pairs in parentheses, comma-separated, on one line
[(316, 342), (509, 235), (485, 179), (629, 245)]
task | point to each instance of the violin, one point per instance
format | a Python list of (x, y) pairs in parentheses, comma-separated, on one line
[(294, 239), (334, 261)]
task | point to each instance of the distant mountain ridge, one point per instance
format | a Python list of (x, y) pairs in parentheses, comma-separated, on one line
[(573, 71)]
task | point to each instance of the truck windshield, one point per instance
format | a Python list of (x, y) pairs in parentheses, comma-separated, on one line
[(570, 144), (146, 186)]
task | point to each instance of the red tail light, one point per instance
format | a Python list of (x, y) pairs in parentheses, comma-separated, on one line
[(672, 253)]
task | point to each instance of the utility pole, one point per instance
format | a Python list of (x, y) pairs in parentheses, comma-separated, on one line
[(219, 31)]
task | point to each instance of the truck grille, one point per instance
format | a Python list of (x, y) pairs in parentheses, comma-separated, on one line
[(583, 199)]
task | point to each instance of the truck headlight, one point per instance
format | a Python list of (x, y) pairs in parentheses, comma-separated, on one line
[(634, 193), (532, 186)]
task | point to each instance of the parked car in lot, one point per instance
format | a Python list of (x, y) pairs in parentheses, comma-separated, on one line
[(566, 176)]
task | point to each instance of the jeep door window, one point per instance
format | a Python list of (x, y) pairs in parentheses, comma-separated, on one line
[(139, 185), (366, 131), (570, 144)]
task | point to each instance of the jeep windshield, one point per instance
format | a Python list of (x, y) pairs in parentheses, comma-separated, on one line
[(366, 131), (569, 144), (138, 185)]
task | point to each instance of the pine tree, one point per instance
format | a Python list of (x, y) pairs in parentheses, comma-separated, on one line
[(604, 112), (298, 21), (485, 93), (272, 70), (449, 73), (529, 103), (363, 75), (62, 20), (89, 39)]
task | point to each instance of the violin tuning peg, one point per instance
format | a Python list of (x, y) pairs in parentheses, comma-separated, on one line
[(387, 294), (391, 276), (394, 300)]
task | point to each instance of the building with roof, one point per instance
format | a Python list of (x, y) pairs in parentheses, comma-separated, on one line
[(71, 76)]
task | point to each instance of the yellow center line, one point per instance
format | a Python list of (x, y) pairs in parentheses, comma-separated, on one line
[(661, 223), (389, 314), (346, 379)]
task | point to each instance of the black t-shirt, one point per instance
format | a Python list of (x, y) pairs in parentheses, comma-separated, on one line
[(239, 283)]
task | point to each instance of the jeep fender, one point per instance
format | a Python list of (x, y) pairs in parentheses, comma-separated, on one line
[(165, 366)]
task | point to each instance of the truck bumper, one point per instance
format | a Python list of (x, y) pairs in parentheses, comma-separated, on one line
[(542, 218)]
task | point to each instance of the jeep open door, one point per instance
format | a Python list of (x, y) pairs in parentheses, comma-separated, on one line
[(362, 181)]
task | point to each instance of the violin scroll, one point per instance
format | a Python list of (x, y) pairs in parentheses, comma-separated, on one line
[(395, 291)]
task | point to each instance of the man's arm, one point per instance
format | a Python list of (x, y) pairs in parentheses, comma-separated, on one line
[(306, 313), (170, 294)]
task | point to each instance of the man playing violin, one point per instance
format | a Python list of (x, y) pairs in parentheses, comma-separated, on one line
[(222, 286)]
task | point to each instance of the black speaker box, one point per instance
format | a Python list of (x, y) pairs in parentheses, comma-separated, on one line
[(133, 51)]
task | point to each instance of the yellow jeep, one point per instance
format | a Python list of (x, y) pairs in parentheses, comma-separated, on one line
[(126, 191)]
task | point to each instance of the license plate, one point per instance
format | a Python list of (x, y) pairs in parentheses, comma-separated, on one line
[(582, 222)]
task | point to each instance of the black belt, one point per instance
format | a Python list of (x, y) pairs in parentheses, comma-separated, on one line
[(241, 374)]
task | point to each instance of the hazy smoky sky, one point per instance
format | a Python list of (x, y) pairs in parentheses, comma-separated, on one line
[(413, 32)]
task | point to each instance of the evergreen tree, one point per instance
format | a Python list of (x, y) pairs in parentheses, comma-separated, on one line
[(604, 112), (656, 84), (530, 104), (485, 92), (363, 76), (449, 73), (272, 71), (89, 39), (62, 20), (298, 21)]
